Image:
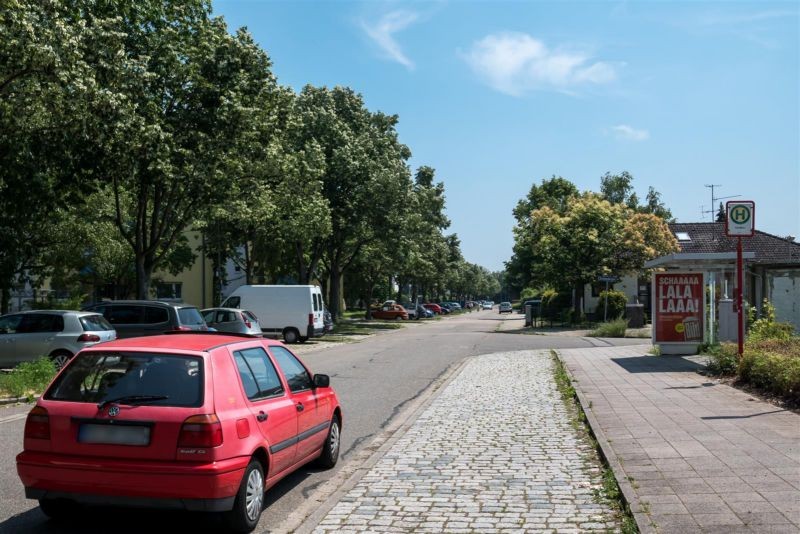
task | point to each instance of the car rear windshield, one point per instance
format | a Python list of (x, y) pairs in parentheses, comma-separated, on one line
[(250, 315), (95, 323), (134, 378), (190, 316)]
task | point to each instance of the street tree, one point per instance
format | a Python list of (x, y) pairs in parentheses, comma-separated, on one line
[(185, 90), (365, 180), (593, 237)]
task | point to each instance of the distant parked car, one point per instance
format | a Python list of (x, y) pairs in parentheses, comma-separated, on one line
[(454, 306), (57, 334), (486, 305), (131, 318), (395, 312), (327, 320), (435, 308), (205, 422), (232, 320), (505, 307), (424, 313)]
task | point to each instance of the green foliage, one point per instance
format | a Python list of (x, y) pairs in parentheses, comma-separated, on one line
[(766, 327), (615, 328), (29, 378), (773, 366), (616, 305), (723, 359), (74, 302), (529, 293)]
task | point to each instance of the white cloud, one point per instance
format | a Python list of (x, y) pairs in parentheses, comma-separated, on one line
[(515, 63), (623, 131), (383, 32)]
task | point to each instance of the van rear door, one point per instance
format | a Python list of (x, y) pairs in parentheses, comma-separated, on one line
[(319, 311)]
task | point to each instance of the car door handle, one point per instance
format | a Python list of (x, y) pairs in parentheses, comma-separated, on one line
[(300, 407), (261, 417)]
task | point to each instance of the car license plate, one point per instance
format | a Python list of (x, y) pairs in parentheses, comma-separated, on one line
[(138, 436)]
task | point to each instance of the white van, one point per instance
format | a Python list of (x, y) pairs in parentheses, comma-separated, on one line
[(294, 312)]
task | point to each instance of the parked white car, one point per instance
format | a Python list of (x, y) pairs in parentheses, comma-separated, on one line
[(293, 312), (58, 334)]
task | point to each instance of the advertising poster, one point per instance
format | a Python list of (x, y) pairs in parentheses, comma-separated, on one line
[(678, 307)]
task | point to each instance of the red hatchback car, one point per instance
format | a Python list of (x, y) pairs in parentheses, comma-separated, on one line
[(191, 421)]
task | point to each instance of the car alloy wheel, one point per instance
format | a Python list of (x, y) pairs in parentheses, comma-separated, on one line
[(60, 359), (330, 449), (254, 496)]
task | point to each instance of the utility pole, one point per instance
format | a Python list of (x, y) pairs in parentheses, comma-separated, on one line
[(714, 199)]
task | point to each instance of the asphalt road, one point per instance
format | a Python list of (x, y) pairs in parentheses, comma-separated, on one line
[(375, 379)]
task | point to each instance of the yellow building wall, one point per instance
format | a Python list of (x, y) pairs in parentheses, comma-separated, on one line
[(197, 282)]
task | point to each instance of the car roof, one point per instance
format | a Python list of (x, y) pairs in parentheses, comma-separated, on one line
[(54, 312), (224, 309), (179, 341), (147, 302)]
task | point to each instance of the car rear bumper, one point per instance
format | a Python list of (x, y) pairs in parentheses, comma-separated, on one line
[(207, 486)]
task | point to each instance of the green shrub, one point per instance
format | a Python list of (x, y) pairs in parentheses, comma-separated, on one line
[(616, 305), (766, 327), (71, 303), (723, 358), (529, 293), (774, 373), (615, 328), (29, 378)]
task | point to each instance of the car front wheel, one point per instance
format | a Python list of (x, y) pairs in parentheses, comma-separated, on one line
[(330, 450), (249, 500)]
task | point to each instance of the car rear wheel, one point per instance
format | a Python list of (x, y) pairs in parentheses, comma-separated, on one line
[(60, 358), (290, 335), (57, 509), (303, 339), (249, 500), (398, 318), (330, 450)]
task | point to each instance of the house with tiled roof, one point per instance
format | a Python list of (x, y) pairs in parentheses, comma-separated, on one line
[(772, 264), (772, 269)]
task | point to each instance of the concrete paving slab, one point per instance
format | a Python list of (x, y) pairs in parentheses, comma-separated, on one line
[(699, 455)]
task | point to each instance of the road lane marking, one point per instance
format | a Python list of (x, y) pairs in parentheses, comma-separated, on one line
[(13, 418)]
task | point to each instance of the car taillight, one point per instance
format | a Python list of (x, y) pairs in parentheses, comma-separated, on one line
[(181, 328), (201, 431), (88, 337), (310, 319), (37, 425)]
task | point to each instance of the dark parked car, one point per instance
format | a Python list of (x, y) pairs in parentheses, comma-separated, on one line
[(131, 318), (327, 319)]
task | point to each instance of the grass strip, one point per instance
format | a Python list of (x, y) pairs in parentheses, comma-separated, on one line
[(610, 492)]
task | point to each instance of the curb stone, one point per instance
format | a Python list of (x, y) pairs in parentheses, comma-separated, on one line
[(643, 521)]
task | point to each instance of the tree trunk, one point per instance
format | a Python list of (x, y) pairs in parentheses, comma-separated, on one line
[(144, 271), (4, 298), (577, 301), (335, 290)]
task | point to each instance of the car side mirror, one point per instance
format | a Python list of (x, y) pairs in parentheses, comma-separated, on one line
[(322, 381)]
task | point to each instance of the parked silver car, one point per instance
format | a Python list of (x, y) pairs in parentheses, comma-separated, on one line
[(232, 320), (29, 335)]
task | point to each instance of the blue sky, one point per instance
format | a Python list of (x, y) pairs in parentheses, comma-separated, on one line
[(499, 95)]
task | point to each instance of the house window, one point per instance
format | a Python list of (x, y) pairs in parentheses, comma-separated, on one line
[(169, 290)]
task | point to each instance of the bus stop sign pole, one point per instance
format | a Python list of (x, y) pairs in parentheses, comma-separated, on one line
[(740, 222)]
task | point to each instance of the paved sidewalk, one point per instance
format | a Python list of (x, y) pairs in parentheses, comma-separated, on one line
[(699, 455), (495, 452)]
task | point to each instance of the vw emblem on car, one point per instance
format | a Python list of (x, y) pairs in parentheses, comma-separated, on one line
[(113, 411)]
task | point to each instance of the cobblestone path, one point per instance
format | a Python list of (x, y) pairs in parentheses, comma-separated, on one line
[(495, 452)]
